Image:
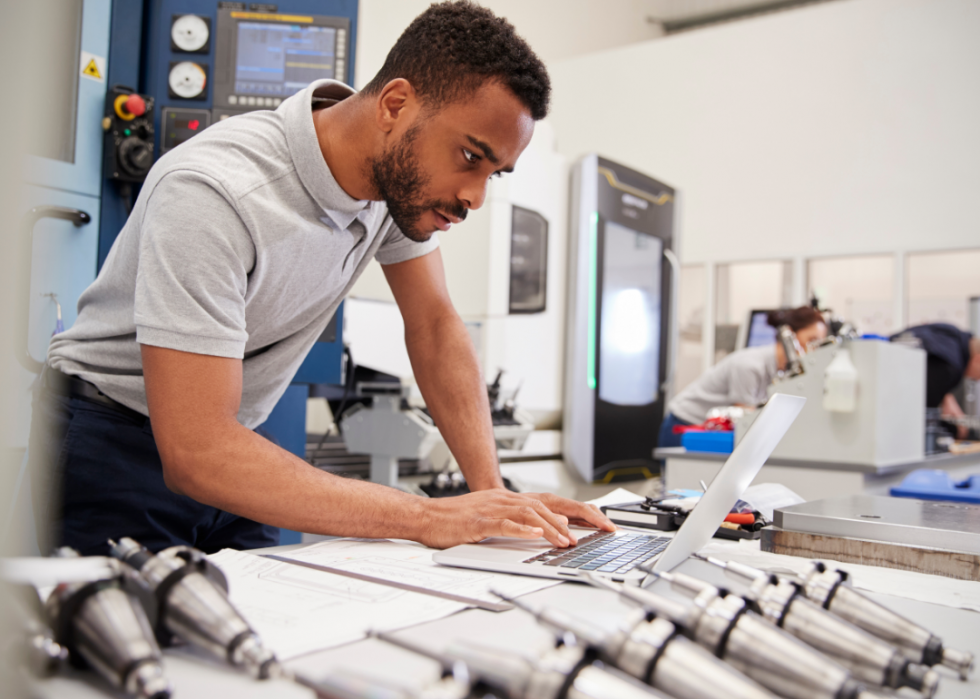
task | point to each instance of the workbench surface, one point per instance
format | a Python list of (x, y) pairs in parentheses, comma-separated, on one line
[(196, 677)]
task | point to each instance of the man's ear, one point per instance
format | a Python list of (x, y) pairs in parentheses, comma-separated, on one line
[(397, 102)]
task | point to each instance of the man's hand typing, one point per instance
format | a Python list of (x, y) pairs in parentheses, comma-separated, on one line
[(467, 519)]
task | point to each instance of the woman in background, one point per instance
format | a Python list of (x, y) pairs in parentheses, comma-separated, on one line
[(742, 377)]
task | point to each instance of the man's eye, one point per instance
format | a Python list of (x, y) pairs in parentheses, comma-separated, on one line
[(470, 156)]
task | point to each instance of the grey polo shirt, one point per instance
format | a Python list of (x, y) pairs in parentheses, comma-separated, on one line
[(241, 245), (743, 378)]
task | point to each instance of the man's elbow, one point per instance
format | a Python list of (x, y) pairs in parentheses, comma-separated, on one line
[(178, 476), (185, 473)]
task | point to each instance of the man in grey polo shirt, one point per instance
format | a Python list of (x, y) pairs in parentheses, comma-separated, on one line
[(242, 244)]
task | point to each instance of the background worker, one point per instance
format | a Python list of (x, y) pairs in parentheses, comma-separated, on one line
[(742, 377), (951, 356)]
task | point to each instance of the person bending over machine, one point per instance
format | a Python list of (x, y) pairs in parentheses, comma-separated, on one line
[(742, 377)]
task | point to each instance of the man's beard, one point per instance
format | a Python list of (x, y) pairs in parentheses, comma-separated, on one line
[(400, 180)]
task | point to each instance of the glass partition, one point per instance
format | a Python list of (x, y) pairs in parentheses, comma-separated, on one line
[(939, 286), (742, 287), (860, 289)]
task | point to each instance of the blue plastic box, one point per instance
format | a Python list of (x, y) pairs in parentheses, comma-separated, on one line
[(702, 440), (932, 484)]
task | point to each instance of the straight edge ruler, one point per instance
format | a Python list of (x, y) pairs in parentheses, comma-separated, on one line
[(471, 601)]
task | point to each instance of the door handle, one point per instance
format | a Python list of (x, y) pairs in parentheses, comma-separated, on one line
[(673, 326), (30, 219)]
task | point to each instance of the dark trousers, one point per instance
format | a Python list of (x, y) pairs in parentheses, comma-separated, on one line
[(667, 436), (96, 475)]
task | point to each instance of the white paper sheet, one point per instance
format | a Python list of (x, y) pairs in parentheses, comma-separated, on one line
[(296, 610), (412, 564), (766, 497), (620, 496), (948, 592)]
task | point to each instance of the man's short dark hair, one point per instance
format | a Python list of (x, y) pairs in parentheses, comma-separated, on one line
[(453, 48)]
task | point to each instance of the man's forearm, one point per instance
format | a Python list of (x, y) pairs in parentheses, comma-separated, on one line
[(208, 456), (447, 371), (243, 473)]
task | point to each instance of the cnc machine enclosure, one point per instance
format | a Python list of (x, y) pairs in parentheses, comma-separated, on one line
[(888, 425), (619, 340)]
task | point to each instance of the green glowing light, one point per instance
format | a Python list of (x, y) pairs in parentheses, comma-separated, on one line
[(593, 295)]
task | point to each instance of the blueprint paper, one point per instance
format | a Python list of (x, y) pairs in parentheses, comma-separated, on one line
[(296, 610), (412, 564)]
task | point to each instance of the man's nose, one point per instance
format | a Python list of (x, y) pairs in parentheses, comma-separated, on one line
[(474, 193)]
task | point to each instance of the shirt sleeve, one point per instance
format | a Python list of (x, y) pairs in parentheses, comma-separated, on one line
[(745, 383), (397, 247), (194, 260)]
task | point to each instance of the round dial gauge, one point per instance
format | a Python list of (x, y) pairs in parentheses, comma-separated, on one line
[(189, 33), (187, 80)]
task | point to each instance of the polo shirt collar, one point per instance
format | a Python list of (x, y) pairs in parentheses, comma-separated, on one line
[(304, 148)]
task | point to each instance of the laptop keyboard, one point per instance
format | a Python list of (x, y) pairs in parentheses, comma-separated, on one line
[(604, 552)]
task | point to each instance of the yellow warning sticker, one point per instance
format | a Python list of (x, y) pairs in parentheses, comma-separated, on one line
[(93, 67), (92, 70)]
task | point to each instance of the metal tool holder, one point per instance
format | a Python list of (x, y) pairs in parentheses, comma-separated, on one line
[(567, 672), (832, 590), (187, 596), (344, 684), (783, 603), (104, 627), (32, 645), (772, 657), (653, 651)]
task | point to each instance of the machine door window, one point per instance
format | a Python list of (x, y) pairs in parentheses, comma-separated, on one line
[(528, 262), (630, 308), (65, 150), (56, 67)]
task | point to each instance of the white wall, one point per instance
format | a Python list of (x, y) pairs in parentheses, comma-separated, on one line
[(842, 128), (555, 29)]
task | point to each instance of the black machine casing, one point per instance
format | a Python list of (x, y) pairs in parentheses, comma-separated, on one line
[(620, 320)]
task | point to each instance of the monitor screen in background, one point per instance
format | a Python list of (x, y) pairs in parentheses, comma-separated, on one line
[(760, 332), (279, 60)]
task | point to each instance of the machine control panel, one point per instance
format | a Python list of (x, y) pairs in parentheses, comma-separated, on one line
[(213, 59), (128, 126), (187, 80), (261, 58), (177, 125), (190, 34)]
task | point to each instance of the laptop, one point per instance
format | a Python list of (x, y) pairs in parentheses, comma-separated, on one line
[(627, 556)]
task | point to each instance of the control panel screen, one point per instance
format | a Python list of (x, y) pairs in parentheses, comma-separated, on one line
[(279, 60)]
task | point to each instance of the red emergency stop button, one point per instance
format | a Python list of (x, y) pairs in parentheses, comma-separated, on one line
[(135, 105)]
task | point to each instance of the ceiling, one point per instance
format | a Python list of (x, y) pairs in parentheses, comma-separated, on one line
[(683, 15)]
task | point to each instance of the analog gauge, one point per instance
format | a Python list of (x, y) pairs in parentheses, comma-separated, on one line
[(189, 33), (187, 80)]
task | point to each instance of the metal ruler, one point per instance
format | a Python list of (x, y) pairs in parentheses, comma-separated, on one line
[(471, 601)]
